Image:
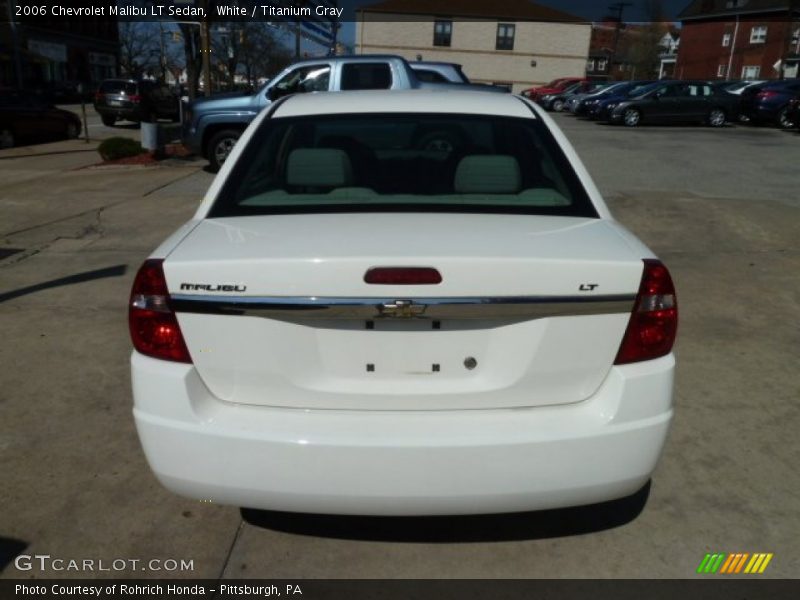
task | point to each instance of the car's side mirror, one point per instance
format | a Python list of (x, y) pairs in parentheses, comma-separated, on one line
[(273, 93)]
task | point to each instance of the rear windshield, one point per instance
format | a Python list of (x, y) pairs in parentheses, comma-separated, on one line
[(115, 87), (402, 162)]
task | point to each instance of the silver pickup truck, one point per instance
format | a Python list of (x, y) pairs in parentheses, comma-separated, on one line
[(212, 125)]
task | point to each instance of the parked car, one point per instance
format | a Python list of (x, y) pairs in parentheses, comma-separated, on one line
[(558, 102), (599, 107), (403, 303), (676, 102), (595, 88), (554, 87), (28, 118), (769, 102), (131, 100), (213, 125)]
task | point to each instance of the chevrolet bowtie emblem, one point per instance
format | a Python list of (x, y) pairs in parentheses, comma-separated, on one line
[(401, 309)]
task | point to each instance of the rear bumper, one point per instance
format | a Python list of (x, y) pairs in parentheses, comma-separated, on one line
[(402, 463), (133, 113)]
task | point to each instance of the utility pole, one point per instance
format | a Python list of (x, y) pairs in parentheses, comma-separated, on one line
[(619, 8), (12, 9), (205, 50), (163, 54)]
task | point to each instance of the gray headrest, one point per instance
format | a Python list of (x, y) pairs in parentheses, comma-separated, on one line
[(488, 174), (319, 167)]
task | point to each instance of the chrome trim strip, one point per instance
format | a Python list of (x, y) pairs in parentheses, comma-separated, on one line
[(304, 308)]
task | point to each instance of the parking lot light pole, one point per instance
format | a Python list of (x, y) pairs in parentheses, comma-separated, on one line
[(619, 8)]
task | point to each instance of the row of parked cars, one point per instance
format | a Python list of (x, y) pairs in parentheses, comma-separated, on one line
[(714, 103)]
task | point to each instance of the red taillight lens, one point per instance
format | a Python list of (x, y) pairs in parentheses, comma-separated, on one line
[(403, 276), (154, 327), (766, 95), (135, 98), (98, 96), (654, 321)]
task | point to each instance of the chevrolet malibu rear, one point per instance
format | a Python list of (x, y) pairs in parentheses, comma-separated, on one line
[(403, 303)]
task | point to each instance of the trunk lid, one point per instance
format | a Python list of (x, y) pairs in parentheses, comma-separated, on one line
[(530, 310)]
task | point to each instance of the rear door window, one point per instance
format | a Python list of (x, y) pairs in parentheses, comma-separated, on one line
[(366, 76)]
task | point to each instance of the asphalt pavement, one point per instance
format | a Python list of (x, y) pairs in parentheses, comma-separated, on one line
[(720, 207)]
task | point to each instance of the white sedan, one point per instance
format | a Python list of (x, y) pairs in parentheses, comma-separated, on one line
[(403, 303)]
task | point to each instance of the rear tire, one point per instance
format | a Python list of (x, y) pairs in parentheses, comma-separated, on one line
[(108, 120), (558, 106), (632, 117), (784, 122), (220, 146), (72, 131), (717, 117)]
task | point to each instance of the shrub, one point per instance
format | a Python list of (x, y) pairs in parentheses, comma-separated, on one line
[(119, 147)]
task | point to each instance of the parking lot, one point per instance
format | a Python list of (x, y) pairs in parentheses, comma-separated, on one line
[(721, 207)]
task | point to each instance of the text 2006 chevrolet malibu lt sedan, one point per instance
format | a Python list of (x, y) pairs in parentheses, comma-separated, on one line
[(403, 303)]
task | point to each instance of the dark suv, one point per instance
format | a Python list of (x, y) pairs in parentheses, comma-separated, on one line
[(132, 100)]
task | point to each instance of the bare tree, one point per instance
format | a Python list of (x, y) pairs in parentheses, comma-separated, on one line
[(248, 49), (138, 47), (262, 53), (643, 43), (190, 35)]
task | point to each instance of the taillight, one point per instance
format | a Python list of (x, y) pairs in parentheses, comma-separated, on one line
[(98, 96), (403, 276), (654, 321), (765, 95), (135, 98), (154, 327)]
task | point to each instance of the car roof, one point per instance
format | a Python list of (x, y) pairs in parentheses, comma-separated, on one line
[(348, 58), (405, 101)]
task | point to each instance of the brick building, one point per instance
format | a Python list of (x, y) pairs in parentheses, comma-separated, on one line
[(739, 39), (509, 42)]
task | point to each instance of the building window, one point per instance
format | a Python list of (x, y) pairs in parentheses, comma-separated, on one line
[(726, 40), (590, 65), (751, 72), (442, 32), (758, 34), (602, 64), (796, 37), (505, 36), (722, 70)]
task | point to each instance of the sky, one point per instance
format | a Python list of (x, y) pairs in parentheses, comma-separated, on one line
[(588, 9)]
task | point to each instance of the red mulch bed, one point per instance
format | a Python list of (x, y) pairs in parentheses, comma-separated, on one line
[(149, 158), (142, 159)]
